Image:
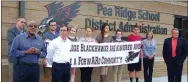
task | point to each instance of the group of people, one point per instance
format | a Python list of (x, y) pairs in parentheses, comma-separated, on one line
[(26, 48)]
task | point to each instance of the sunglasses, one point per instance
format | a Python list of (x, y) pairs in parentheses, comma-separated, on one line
[(33, 26)]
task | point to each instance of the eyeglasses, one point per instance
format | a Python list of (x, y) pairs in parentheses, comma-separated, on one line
[(33, 26), (63, 30)]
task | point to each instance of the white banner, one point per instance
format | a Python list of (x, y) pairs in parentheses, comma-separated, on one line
[(84, 54)]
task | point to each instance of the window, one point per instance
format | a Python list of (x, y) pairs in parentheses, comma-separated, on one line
[(181, 22)]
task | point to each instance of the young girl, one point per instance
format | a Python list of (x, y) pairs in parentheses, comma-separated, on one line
[(72, 37)]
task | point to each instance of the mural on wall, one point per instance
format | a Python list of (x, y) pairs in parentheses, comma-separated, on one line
[(60, 13)]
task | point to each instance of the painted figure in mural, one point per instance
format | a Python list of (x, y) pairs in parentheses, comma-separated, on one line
[(73, 38), (60, 13)]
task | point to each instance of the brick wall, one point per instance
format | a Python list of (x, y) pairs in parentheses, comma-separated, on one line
[(39, 12), (36, 11)]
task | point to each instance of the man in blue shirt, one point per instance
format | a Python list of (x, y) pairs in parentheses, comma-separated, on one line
[(52, 33), (49, 36), (11, 34), (28, 48)]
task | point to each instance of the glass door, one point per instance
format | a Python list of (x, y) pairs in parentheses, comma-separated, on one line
[(185, 28)]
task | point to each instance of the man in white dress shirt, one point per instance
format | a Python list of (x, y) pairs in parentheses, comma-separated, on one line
[(58, 54)]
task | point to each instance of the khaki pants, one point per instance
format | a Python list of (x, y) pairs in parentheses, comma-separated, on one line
[(103, 74), (10, 67), (118, 70), (103, 70), (47, 74)]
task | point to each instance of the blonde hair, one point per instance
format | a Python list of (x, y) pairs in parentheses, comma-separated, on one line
[(149, 32), (72, 27)]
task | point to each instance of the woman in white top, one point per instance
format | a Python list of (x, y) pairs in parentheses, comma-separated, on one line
[(86, 72)]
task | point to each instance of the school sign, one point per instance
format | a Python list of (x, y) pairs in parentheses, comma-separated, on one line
[(116, 16)]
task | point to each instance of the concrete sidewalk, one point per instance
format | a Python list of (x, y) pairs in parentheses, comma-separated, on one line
[(161, 79)]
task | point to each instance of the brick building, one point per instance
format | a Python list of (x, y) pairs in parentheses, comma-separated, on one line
[(158, 16)]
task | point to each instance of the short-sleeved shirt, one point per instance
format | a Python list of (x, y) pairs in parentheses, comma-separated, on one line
[(133, 37)]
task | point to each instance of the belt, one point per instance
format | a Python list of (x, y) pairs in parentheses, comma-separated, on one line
[(67, 63), (30, 64)]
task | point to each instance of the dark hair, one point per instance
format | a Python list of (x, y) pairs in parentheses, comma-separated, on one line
[(149, 32), (51, 22), (72, 27), (89, 28), (136, 26), (103, 30), (64, 26), (118, 30)]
